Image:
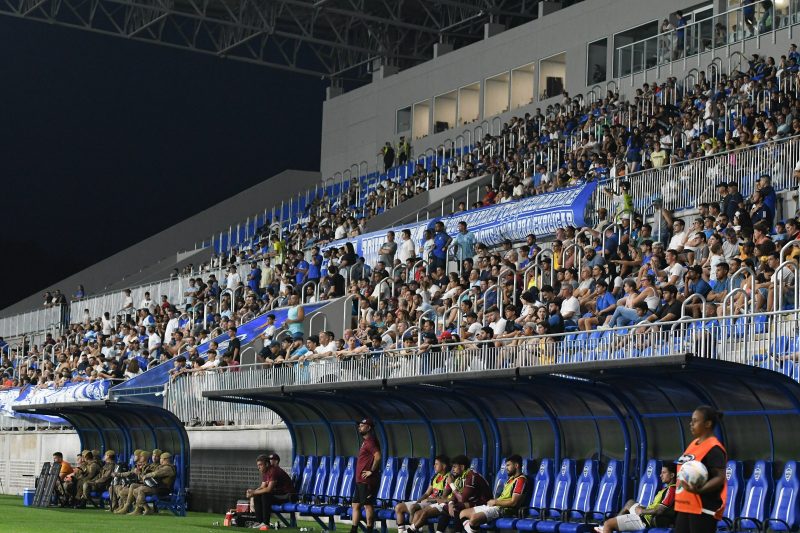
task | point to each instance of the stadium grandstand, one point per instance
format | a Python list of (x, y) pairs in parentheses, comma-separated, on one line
[(554, 236)]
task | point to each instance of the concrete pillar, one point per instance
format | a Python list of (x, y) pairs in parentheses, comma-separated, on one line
[(440, 49), (547, 7), (490, 29), (333, 91)]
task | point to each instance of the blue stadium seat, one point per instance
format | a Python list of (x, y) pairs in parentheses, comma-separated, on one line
[(563, 488), (331, 491), (607, 501), (757, 497), (785, 513), (345, 494), (580, 510), (540, 496), (317, 488), (477, 465), (306, 483), (649, 483), (400, 490), (175, 501), (297, 469), (735, 481), (528, 466), (419, 483)]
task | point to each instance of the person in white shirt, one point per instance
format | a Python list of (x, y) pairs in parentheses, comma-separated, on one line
[(212, 361), (496, 322), (570, 306), (406, 250), (679, 235), (127, 302), (108, 324), (675, 270), (147, 303), (172, 325), (233, 280), (153, 341)]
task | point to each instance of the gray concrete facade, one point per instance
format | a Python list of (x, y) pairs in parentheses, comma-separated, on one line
[(357, 123)]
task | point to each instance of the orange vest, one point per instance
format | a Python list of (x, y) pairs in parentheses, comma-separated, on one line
[(688, 502)]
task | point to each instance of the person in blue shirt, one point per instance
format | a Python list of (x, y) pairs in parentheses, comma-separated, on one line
[(300, 269), (254, 278), (601, 307), (441, 241), (695, 284), (315, 265), (465, 242)]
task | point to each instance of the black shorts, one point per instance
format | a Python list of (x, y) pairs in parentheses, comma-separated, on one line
[(695, 523), (365, 494)]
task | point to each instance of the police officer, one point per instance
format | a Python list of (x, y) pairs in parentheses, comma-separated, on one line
[(403, 151), (159, 482), (388, 156), (100, 482)]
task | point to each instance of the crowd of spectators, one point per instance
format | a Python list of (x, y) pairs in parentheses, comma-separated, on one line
[(636, 272)]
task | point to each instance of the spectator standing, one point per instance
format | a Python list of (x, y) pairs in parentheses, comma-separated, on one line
[(465, 242), (295, 317), (388, 250), (406, 250)]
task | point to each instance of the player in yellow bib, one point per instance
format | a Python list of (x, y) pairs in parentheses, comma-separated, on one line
[(430, 504), (509, 502)]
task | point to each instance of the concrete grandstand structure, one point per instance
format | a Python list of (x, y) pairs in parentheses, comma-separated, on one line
[(575, 148)]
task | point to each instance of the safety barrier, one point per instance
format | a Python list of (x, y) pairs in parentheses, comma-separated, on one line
[(183, 397), (686, 185), (767, 340), (23, 323), (718, 31)]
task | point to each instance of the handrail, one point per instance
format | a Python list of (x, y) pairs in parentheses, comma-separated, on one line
[(378, 288), (777, 284), (752, 295), (419, 323), (324, 322), (691, 297), (729, 297), (347, 314), (501, 305), (303, 291)]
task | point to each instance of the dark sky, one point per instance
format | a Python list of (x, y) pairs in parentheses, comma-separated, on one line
[(106, 141)]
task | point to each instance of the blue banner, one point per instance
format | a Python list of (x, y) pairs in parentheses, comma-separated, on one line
[(247, 333), (72, 392), (541, 215)]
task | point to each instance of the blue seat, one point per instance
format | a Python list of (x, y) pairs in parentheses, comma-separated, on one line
[(540, 496), (528, 466), (175, 501), (306, 482), (563, 488), (581, 508), (345, 494), (785, 513), (317, 488), (400, 490), (607, 501), (649, 482), (735, 482), (757, 497), (331, 490), (420, 481), (297, 469), (477, 465)]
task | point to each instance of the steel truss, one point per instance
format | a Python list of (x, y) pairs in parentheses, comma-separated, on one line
[(332, 39)]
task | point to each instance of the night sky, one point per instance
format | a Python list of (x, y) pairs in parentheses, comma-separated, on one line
[(106, 141)]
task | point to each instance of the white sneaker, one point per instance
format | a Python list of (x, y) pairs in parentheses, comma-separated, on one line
[(468, 528), (259, 526), (598, 529)]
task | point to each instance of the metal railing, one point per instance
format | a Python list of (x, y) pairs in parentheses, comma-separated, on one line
[(183, 397), (686, 185), (711, 33), (767, 340), (32, 321)]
